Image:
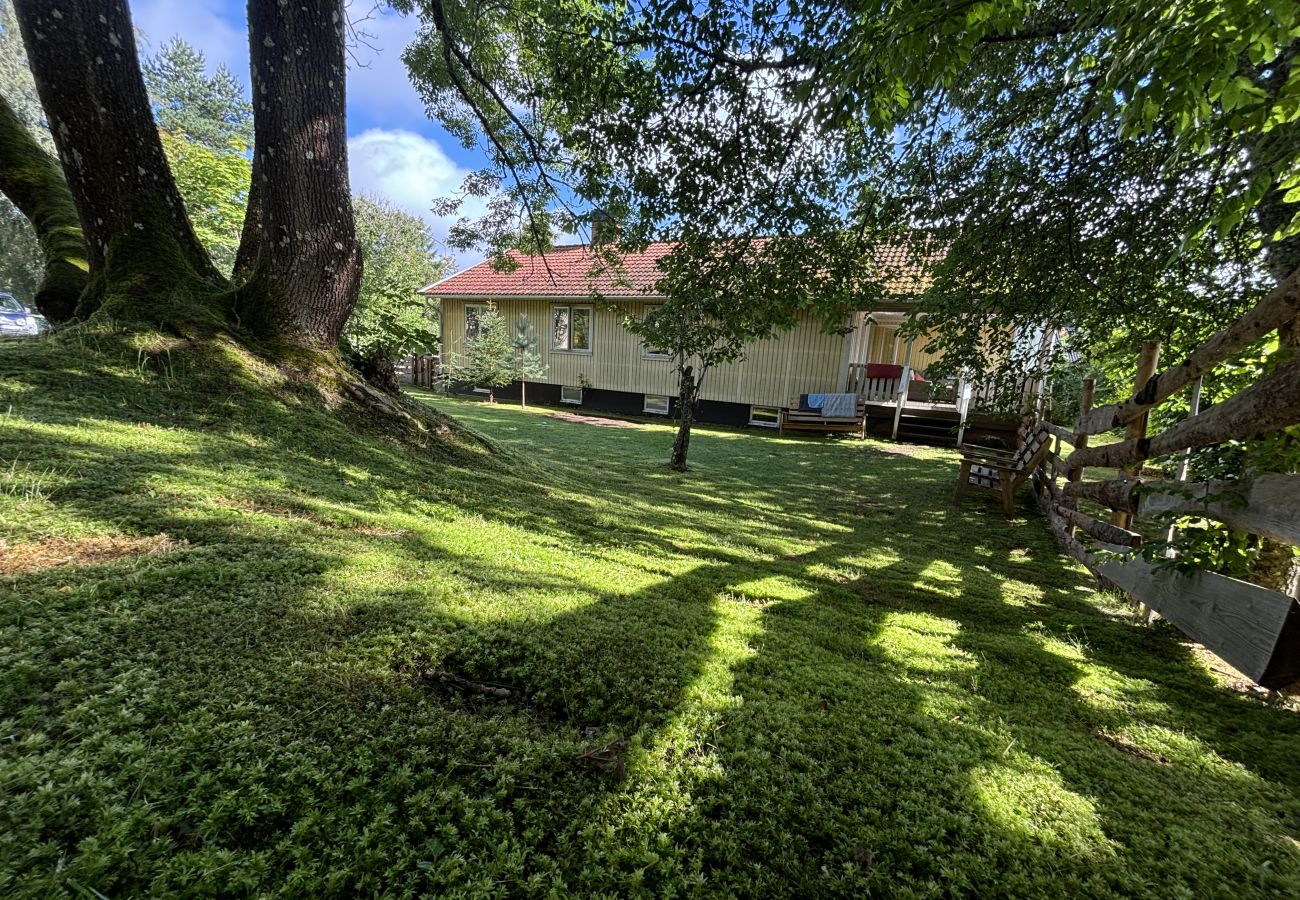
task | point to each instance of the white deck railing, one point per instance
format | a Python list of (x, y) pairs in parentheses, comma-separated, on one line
[(957, 394)]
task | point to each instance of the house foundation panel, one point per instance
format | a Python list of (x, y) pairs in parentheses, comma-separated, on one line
[(626, 403)]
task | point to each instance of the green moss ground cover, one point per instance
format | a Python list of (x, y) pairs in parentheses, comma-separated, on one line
[(795, 670)]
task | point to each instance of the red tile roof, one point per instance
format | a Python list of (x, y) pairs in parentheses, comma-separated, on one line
[(575, 271), (572, 271)]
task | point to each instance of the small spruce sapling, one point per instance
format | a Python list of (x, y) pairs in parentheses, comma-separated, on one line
[(527, 361), (489, 357)]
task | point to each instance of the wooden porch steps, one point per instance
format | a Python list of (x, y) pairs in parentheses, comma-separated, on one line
[(918, 430)]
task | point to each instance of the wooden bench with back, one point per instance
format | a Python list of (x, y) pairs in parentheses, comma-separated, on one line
[(1002, 473), (795, 419)]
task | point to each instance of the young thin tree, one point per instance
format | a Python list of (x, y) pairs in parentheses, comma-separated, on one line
[(527, 361), (489, 359), (724, 295)]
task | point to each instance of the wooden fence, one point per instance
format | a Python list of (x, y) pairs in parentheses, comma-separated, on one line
[(1254, 629)]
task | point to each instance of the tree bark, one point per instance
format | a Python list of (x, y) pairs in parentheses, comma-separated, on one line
[(138, 238), (308, 267), (250, 236), (686, 396), (34, 183)]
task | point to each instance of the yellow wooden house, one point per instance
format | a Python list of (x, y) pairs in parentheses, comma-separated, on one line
[(578, 308)]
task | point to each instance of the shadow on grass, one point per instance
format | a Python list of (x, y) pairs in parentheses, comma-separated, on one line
[(821, 678), (859, 760)]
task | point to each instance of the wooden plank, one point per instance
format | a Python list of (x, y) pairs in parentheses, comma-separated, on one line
[(1241, 622), (1080, 440), (1102, 531), (1267, 505), (1057, 431), (1052, 489), (1280, 306), (1271, 403), (1148, 359)]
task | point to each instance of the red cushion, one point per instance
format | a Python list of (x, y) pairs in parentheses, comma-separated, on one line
[(885, 370)]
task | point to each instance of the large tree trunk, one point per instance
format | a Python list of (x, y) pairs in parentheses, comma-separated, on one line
[(33, 182), (686, 395), (138, 238), (308, 267)]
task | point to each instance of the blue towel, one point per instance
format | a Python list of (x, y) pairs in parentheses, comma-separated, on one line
[(839, 406), (816, 401)]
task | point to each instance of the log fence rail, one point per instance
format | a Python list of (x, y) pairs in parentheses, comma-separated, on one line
[(1253, 628)]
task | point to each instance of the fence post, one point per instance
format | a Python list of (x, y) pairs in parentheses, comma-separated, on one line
[(964, 391), (1148, 359), (1195, 411), (1181, 474), (1080, 437), (904, 381)]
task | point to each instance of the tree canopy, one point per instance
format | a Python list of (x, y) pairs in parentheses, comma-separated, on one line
[(391, 320), (208, 109), (1081, 163)]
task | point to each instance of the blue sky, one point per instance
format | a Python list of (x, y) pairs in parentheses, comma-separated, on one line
[(394, 149)]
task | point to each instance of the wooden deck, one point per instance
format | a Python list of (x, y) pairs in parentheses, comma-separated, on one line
[(937, 423)]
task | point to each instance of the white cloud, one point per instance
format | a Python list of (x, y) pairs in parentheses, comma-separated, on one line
[(410, 170)]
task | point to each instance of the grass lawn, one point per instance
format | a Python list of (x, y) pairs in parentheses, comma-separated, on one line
[(247, 650)]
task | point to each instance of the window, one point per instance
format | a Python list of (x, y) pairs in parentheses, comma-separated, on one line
[(648, 351), (766, 416), (474, 313), (657, 404), (571, 328), (570, 394)]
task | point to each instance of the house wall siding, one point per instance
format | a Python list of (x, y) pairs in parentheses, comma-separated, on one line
[(882, 348), (802, 360)]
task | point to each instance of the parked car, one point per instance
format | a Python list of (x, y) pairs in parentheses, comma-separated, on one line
[(18, 320)]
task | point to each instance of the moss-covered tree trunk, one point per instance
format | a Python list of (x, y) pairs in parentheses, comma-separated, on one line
[(308, 269), (139, 240), (33, 182)]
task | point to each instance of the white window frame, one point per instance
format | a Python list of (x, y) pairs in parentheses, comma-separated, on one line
[(591, 327), (469, 307), (570, 399), (655, 410), (776, 413), (646, 351)]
